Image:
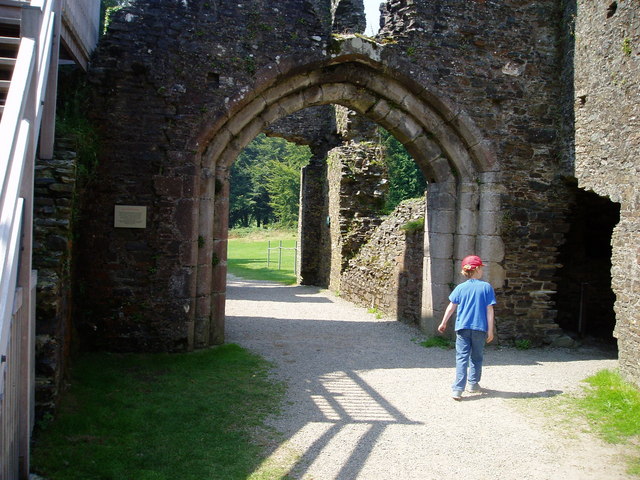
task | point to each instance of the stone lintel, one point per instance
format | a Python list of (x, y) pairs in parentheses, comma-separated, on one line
[(485, 156), (457, 152), (293, 103), (362, 101), (388, 88), (424, 114), (313, 95)]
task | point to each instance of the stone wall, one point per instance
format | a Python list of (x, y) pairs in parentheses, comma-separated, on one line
[(357, 182), (162, 71), (607, 86), (386, 274), (502, 63), (474, 90), (55, 184), (184, 65)]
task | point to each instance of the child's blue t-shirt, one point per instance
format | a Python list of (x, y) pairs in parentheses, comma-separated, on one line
[(472, 297)]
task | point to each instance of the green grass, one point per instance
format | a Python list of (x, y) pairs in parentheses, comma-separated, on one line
[(161, 416), (609, 405), (437, 341), (247, 256), (612, 406)]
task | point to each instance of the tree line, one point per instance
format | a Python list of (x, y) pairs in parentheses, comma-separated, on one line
[(265, 180)]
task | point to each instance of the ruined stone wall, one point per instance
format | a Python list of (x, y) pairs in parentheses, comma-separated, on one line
[(502, 64), (167, 70), (607, 89), (357, 183), (386, 274), (54, 193), (162, 71)]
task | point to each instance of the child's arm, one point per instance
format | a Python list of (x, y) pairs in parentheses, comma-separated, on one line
[(447, 315), (490, 322)]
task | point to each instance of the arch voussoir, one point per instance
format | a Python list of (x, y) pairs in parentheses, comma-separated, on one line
[(442, 139)]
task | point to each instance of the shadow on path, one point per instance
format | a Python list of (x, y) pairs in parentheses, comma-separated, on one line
[(364, 399)]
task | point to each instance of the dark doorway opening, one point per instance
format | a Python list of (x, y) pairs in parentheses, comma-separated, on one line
[(585, 298)]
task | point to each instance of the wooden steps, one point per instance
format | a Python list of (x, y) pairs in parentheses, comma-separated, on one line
[(9, 45)]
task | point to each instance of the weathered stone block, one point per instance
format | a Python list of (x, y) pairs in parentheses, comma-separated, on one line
[(440, 246)]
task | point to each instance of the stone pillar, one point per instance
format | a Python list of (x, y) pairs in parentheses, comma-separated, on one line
[(440, 227), (466, 222), (219, 255), (490, 246), (205, 252), (312, 209)]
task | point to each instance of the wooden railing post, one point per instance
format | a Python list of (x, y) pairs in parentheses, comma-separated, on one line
[(48, 123)]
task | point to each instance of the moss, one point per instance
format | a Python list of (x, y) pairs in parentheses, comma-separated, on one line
[(413, 226)]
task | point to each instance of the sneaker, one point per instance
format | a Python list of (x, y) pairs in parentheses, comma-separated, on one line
[(456, 394), (474, 387)]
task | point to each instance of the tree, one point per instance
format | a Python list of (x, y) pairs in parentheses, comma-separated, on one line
[(405, 178), (265, 182)]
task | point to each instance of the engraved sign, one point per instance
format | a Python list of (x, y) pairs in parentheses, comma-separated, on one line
[(130, 216)]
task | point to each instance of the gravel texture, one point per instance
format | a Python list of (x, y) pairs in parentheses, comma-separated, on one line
[(366, 401)]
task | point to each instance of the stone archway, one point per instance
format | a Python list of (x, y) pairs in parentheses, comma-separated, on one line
[(463, 202)]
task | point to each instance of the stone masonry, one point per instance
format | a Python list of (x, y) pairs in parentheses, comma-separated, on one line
[(357, 182), (54, 194), (386, 274), (607, 146), (477, 92)]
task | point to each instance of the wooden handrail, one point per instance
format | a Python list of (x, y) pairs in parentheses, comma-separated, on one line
[(15, 105), (19, 128)]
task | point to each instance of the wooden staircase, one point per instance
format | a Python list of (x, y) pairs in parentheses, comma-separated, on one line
[(9, 44), (26, 39)]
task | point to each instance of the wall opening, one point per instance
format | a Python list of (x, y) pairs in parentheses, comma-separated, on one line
[(585, 298), (460, 166)]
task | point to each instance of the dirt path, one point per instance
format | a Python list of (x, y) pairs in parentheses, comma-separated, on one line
[(365, 401)]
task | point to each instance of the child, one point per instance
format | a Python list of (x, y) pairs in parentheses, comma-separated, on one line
[(474, 300)]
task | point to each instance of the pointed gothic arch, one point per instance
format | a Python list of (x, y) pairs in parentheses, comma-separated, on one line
[(463, 201)]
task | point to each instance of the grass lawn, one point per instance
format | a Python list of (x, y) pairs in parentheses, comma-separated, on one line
[(612, 407), (160, 416), (247, 257)]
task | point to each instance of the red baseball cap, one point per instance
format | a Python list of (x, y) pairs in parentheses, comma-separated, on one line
[(472, 261)]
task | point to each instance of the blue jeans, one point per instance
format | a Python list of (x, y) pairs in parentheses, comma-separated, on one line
[(469, 353)]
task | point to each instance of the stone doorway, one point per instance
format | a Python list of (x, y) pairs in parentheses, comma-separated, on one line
[(463, 201), (585, 299)]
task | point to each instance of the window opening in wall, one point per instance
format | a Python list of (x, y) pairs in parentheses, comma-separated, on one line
[(585, 298)]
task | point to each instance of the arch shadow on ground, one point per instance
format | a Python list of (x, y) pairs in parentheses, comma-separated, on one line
[(356, 382)]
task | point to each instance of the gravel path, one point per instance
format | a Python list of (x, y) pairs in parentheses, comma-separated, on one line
[(365, 401)]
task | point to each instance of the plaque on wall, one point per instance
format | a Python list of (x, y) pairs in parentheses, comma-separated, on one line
[(130, 216)]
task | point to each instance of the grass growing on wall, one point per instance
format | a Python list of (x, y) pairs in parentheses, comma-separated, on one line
[(161, 416), (247, 255)]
